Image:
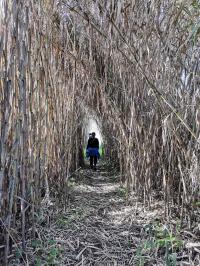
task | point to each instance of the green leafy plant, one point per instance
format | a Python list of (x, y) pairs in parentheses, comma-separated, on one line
[(47, 252), (52, 255), (114, 178), (139, 258), (38, 261), (171, 259), (196, 203), (160, 238), (121, 191), (18, 253), (196, 4), (77, 214), (71, 182), (63, 221), (37, 243), (166, 239)]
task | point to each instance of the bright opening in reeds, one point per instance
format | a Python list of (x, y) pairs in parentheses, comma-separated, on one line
[(92, 124), (136, 64)]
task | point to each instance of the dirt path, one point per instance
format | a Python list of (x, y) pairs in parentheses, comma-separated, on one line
[(96, 229), (100, 227)]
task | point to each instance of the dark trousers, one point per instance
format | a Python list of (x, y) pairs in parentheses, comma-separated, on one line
[(93, 160)]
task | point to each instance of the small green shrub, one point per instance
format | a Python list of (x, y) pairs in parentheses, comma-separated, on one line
[(77, 214), (113, 178), (52, 255), (121, 192), (162, 239), (46, 252)]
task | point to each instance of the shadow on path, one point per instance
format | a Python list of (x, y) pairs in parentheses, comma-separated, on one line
[(100, 227)]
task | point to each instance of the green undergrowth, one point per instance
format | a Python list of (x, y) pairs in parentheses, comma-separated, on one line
[(71, 182), (114, 178), (65, 220), (122, 192), (47, 252), (160, 242), (196, 203)]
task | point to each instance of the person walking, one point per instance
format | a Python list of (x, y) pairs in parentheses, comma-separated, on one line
[(93, 150)]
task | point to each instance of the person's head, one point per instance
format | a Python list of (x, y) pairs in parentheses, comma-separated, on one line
[(93, 135), (90, 135)]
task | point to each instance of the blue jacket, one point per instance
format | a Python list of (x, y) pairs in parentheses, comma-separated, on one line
[(92, 152)]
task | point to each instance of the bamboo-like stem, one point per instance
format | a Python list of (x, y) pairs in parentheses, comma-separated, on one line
[(133, 65)]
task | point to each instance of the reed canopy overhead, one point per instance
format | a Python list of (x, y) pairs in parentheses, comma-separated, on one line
[(133, 64)]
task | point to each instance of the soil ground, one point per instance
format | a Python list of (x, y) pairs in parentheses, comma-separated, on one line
[(102, 227)]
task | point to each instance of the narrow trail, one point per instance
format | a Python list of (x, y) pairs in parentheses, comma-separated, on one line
[(102, 233), (100, 227), (95, 230)]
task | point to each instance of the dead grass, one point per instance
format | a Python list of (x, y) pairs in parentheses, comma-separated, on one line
[(101, 228), (132, 64)]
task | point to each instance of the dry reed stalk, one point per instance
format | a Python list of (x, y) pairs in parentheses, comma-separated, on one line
[(37, 121), (148, 123), (134, 64)]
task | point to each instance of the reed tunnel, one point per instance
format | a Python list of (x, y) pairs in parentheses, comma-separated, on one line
[(71, 67)]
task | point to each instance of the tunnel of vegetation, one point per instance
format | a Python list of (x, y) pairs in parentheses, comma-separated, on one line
[(135, 64)]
